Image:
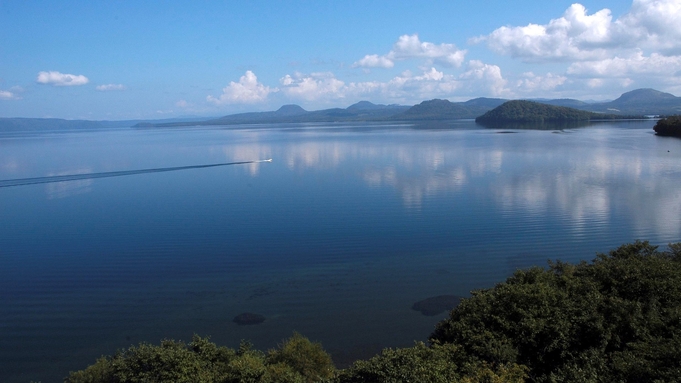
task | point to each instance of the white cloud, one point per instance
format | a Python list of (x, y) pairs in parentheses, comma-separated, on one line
[(430, 84), (654, 22), (479, 79), (108, 87), (375, 61), (484, 79), (247, 91), (182, 104), (7, 95), (636, 64), (314, 86), (61, 79), (530, 83), (410, 47), (577, 35), (595, 83)]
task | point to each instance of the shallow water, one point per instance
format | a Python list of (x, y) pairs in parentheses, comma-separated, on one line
[(336, 238)]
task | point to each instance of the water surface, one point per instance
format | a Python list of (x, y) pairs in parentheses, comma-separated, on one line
[(336, 238)]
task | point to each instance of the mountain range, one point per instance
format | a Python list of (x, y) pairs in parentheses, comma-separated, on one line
[(639, 102)]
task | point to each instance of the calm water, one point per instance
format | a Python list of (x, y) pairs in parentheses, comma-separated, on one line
[(336, 238)]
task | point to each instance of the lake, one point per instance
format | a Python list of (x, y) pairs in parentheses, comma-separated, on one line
[(336, 238)]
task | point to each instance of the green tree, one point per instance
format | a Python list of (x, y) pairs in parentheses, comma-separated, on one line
[(614, 319), (296, 361), (438, 363), (304, 357)]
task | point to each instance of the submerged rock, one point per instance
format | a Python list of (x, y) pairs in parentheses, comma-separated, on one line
[(248, 319), (436, 305)]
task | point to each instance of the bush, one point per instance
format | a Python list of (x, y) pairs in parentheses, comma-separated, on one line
[(297, 361), (617, 318), (304, 357), (439, 363)]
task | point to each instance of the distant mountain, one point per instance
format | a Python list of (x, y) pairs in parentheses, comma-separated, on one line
[(361, 111), (366, 105), (130, 123), (566, 102), (645, 95), (523, 111), (446, 110), (485, 102), (290, 110), (363, 105), (41, 124), (640, 102)]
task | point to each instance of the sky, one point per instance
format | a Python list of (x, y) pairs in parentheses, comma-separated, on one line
[(117, 60)]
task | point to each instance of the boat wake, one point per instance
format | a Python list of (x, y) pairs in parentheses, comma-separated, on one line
[(76, 177)]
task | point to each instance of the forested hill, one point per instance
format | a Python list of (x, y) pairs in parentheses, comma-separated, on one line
[(522, 111)]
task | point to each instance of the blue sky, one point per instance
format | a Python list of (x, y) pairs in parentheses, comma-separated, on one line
[(129, 60)]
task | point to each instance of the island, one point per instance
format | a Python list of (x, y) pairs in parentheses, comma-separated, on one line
[(670, 126), (524, 111)]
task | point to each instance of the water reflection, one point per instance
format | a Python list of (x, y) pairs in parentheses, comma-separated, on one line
[(589, 175), (344, 223), (537, 125), (57, 190)]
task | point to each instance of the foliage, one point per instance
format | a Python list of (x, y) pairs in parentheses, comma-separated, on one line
[(670, 126), (304, 357), (434, 364), (522, 111), (617, 318), (201, 361)]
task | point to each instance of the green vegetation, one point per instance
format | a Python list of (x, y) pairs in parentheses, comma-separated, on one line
[(297, 360), (670, 126), (521, 111), (614, 319), (439, 363)]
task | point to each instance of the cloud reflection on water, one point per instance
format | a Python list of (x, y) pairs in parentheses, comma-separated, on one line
[(57, 190), (590, 179)]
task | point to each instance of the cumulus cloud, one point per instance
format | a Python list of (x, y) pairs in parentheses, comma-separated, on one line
[(411, 47), (576, 35), (247, 91), (580, 36), (430, 84), (7, 95), (655, 22), (484, 78), (108, 87), (61, 79), (314, 86), (479, 79), (531, 83), (636, 64), (375, 61)]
